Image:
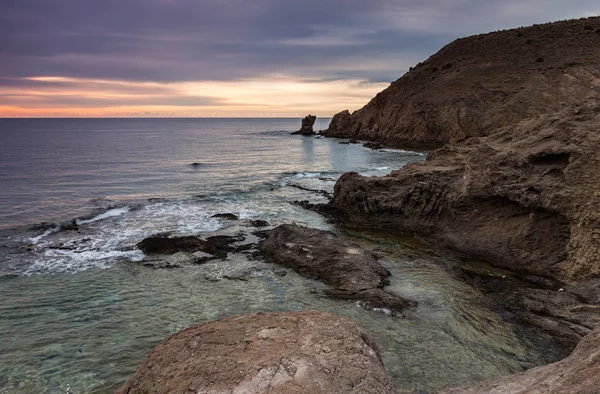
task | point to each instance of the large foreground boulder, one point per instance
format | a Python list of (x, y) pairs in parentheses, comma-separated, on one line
[(579, 373), (292, 352), (351, 271)]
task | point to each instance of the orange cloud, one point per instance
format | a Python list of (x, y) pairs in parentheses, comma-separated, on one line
[(275, 95)]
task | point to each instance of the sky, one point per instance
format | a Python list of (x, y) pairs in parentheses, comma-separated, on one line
[(231, 58)]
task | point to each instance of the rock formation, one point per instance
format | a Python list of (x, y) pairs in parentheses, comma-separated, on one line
[(525, 198), (293, 352), (481, 83), (578, 373), (307, 126), (351, 271)]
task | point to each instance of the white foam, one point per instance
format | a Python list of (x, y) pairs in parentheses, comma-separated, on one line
[(105, 215), (70, 261), (406, 152), (35, 240), (382, 168)]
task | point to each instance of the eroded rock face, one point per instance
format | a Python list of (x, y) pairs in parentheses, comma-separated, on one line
[(578, 373), (477, 84), (525, 198), (292, 352), (307, 125), (351, 271)]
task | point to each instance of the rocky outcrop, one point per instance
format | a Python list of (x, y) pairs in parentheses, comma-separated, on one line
[(307, 126), (478, 84), (301, 352), (172, 251), (578, 373), (525, 198), (351, 271)]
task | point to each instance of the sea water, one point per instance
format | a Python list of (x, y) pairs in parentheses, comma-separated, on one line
[(79, 313)]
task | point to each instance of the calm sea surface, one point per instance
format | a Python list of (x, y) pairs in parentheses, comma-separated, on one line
[(78, 313)]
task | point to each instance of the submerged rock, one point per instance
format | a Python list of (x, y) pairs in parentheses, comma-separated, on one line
[(225, 216), (307, 126), (259, 223), (291, 352), (351, 271), (578, 373)]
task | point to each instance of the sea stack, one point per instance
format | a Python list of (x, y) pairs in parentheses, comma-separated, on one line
[(307, 125)]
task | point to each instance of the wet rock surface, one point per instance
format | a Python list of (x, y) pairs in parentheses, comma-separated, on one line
[(175, 251), (351, 271), (578, 373), (292, 352)]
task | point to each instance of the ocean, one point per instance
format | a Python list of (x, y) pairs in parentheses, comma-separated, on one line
[(79, 312)]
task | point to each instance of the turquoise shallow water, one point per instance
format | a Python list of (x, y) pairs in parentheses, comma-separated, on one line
[(79, 313)]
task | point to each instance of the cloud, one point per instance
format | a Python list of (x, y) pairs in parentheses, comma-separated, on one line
[(234, 41)]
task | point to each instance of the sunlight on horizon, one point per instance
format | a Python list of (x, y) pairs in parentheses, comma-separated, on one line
[(270, 96)]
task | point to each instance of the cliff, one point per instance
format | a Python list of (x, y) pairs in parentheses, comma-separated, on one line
[(478, 84), (517, 181), (525, 198)]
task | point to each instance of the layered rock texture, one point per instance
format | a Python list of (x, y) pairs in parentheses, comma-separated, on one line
[(301, 352), (578, 373), (481, 83), (517, 182)]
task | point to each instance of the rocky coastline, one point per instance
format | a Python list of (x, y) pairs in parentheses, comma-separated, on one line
[(514, 180)]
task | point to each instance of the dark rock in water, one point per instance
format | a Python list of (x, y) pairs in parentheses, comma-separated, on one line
[(373, 145), (218, 246), (226, 216), (344, 143), (195, 164), (71, 225), (307, 126), (305, 204), (160, 244), (278, 353), (353, 272), (160, 264), (354, 141), (259, 223)]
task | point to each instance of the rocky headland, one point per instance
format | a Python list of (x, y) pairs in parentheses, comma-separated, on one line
[(515, 180), (478, 84), (514, 117)]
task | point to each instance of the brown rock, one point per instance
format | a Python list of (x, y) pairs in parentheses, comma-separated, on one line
[(353, 272), (525, 198), (578, 373), (307, 125), (292, 352), (480, 83)]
